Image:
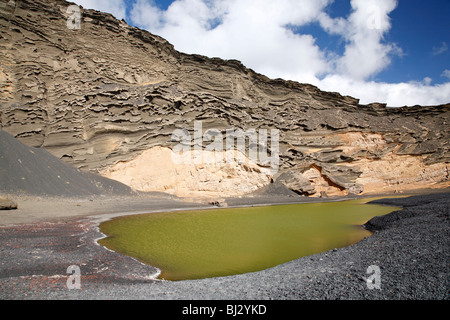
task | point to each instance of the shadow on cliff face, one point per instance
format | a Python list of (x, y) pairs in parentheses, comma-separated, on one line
[(34, 171)]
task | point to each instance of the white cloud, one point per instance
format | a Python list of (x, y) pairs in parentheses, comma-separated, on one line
[(257, 33), (366, 54), (260, 34), (115, 7), (446, 74), (253, 31), (394, 94), (440, 50), (145, 14)]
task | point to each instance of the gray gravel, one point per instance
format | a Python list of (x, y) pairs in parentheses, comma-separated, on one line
[(409, 246)]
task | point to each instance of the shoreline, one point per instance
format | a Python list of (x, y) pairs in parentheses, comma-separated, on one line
[(98, 220), (411, 247), (39, 209)]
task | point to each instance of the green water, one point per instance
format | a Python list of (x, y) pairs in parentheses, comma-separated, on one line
[(220, 242)]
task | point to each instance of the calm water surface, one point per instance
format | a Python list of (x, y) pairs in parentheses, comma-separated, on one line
[(221, 242)]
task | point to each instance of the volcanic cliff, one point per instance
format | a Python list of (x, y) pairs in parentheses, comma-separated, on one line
[(107, 98)]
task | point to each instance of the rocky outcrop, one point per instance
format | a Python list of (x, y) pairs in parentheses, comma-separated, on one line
[(155, 170), (102, 96), (296, 182), (7, 204)]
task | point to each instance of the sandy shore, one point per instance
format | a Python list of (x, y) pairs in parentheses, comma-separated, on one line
[(49, 209), (40, 240)]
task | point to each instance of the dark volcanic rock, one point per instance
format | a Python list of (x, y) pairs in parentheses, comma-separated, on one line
[(33, 171), (439, 203), (297, 183)]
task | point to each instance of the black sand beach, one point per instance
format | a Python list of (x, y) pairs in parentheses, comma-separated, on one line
[(409, 246)]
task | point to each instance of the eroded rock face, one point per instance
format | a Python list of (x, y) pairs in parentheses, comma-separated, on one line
[(100, 96), (157, 169), (297, 182), (7, 204)]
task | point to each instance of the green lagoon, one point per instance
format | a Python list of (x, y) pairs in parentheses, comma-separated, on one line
[(220, 242)]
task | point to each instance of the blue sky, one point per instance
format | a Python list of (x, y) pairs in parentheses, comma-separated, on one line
[(391, 51), (422, 30)]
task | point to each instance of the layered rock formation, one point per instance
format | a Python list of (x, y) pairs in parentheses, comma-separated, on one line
[(155, 170), (107, 95)]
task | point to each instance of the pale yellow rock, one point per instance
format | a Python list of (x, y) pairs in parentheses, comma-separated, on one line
[(401, 173), (217, 175), (7, 204)]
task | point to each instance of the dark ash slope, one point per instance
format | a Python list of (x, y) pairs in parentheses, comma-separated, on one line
[(34, 171)]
